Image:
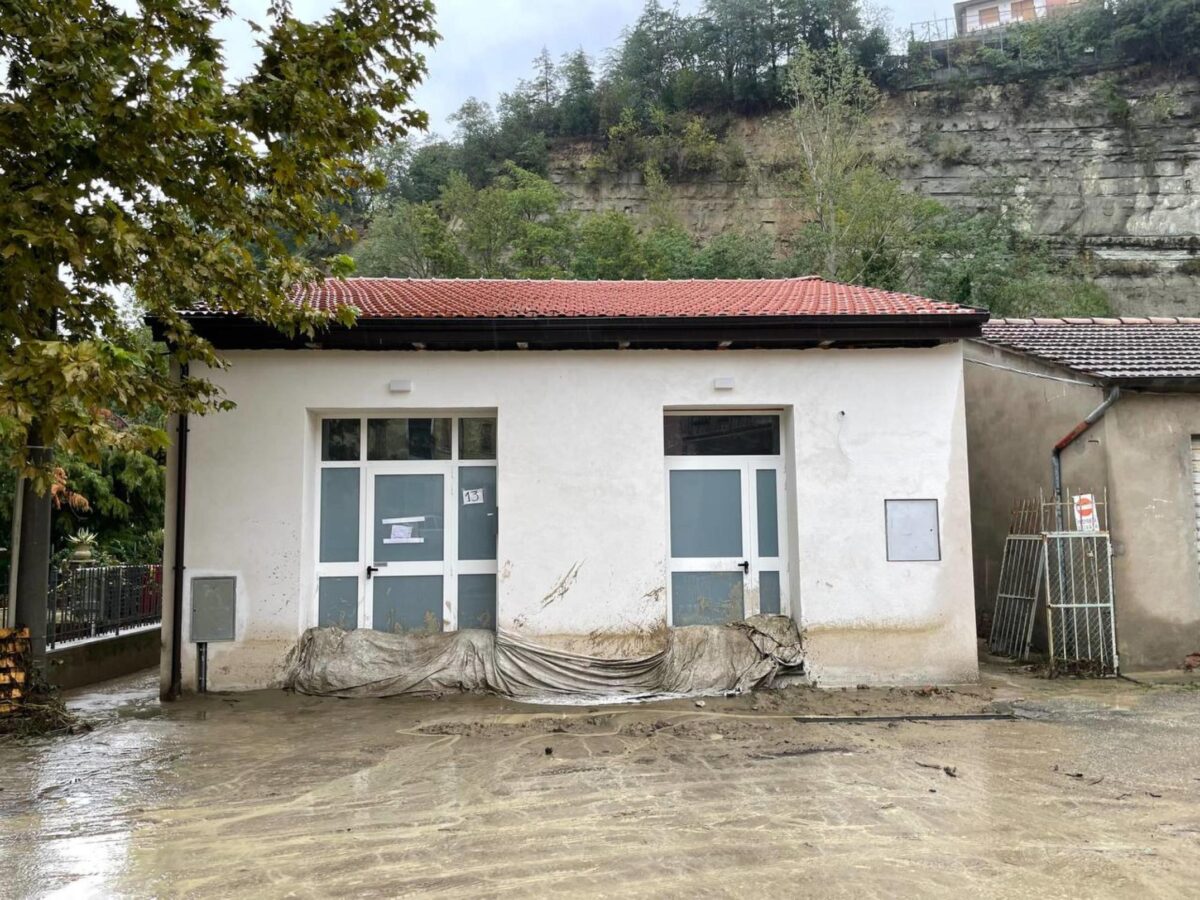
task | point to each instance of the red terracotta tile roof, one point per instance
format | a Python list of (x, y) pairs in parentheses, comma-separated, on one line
[(1113, 349), (402, 298)]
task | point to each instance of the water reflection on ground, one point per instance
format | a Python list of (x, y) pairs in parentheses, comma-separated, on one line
[(271, 794)]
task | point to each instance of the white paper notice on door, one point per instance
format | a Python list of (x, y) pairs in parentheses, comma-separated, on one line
[(471, 496), (402, 534)]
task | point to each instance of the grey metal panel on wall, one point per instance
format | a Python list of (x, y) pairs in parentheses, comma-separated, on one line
[(407, 603), (477, 602), (912, 530), (706, 513), (339, 515), (214, 602), (768, 593), (477, 521), (706, 598), (337, 602)]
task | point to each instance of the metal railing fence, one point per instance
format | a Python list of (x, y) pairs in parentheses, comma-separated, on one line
[(92, 601)]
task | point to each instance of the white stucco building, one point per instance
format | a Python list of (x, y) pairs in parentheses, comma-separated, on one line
[(582, 464)]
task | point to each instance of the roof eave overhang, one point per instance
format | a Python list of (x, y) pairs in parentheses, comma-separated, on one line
[(227, 332), (1154, 384), (1159, 384)]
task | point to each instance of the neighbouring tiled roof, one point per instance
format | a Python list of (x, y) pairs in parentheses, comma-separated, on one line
[(1114, 349), (402, 298)]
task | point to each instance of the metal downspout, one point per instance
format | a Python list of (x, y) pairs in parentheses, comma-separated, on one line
[(1056, 455), (177, 588)]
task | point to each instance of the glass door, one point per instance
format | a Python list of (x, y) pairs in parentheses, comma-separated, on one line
[(709, 565), (407, 522), (725, 518), (406, 569)]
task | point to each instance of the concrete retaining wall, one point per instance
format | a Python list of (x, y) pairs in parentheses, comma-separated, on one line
[(86, 662)]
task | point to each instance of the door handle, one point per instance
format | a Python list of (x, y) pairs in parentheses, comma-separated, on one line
[(745, 566), (371, 570)]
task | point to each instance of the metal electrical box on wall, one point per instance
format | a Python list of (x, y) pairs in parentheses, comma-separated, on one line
[(213, 607), (912, 530)]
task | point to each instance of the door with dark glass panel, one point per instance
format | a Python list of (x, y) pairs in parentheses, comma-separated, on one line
[(725, 528), (429, 522), (407, 568), (434, 523)]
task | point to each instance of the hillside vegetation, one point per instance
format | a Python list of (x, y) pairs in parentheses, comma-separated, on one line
[(662, 106)]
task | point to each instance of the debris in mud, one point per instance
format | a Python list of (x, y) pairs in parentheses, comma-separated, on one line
[(29, 706), (1076, 668), (798, 751), (42, 713), (549, 751), (643, 729), (951, 771), (701, 704)]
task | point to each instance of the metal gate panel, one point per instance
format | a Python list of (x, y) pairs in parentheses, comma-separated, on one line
[(1079, 593), (1017, 595), (1196, 487)]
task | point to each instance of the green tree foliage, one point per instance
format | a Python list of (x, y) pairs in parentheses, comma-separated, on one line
[(668, 77), (737, 254), (1097, 33), (124, 495), (670, 252), (429, 171), (128, 162), (411, 241), (516, 227), (859, 225), (984, 260), (609, 248), (832, 102), (118, 497), (578, 115), (865, 228)]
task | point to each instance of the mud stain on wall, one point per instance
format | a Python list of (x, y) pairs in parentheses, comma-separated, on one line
[(563, 585)]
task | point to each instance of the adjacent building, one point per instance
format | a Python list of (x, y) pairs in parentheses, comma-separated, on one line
[(1030, 382), (582, 464)]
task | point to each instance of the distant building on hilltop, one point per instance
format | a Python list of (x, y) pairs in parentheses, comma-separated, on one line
[(976, 15)]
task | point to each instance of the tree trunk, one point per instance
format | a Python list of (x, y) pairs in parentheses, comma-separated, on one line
[(33, 558)]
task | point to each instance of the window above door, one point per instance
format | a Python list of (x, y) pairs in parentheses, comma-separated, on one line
[(721, 434), (398, 438)]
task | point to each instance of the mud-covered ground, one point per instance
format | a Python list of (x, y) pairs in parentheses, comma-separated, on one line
[(1092, 791)]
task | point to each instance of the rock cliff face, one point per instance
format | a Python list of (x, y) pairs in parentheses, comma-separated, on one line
[(1104, 167)]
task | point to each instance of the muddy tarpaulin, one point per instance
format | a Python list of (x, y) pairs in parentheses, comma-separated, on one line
[(696, 660)]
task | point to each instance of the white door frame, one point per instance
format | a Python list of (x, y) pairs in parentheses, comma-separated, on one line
[(449, 567), (443, 567), (748, 467)]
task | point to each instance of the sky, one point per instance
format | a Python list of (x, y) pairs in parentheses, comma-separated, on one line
[(487, 45)]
